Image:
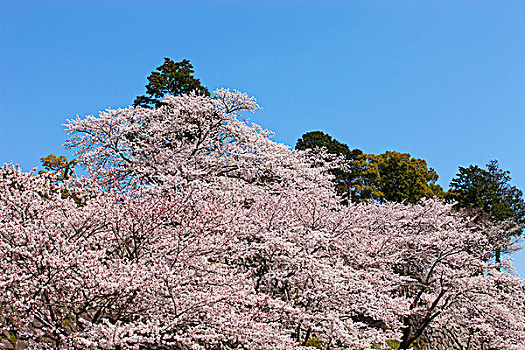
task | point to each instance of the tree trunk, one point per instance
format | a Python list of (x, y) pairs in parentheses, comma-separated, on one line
[(497, 258)]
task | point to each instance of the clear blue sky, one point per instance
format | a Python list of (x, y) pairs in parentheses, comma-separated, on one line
[(442, 80)]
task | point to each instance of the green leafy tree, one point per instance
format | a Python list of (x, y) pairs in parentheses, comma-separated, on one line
[(403, 178), (390, 176), (488, 191), (171, 78), (364, 179)]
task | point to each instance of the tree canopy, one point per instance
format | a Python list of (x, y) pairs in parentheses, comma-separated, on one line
[(318, 139), (488, 194), (195, 230), (390, 176), (488, 190), (403, 178), (171, 78)]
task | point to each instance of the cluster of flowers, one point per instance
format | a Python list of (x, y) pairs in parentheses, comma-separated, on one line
[(195, 230)]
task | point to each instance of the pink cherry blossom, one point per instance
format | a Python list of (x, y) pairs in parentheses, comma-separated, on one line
[(194, 230)]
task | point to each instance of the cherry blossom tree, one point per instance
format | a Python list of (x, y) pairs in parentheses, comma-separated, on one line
[(195, 230), (159, 268), (125, 269), (188, 138)]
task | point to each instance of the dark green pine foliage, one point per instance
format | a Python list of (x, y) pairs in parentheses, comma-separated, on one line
[(171, 78), (318, 139), (489, 191), (315, 139)]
